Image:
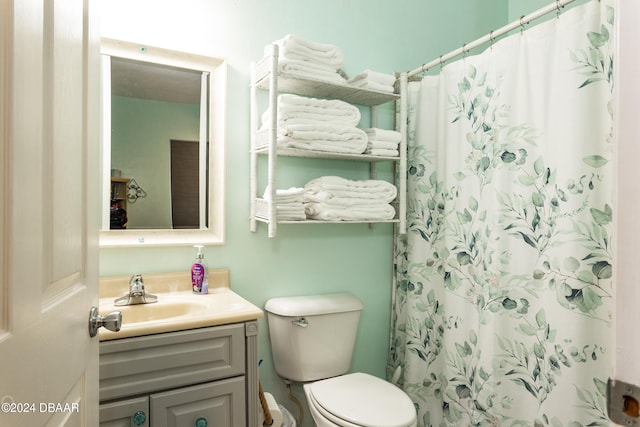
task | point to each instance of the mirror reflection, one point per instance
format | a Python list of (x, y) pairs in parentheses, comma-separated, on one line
[(155, 128), (163, 133)]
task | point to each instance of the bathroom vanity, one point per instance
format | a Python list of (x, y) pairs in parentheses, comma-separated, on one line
[(183, 364)]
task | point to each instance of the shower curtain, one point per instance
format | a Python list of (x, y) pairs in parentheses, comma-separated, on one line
[(502, 304)]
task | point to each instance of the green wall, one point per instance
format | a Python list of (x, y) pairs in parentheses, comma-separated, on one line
[(383, 35), (518, 8)]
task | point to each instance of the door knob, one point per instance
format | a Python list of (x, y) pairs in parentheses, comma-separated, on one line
[(111, 321)]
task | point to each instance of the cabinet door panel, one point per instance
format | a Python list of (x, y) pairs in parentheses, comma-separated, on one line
[(125, 413), (221, 403)]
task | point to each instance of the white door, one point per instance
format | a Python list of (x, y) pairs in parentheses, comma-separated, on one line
[(627, 316), (49, 207)]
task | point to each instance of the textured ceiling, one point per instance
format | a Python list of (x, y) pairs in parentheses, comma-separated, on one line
[(154, 81)]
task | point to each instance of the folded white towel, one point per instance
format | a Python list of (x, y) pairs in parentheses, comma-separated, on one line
[(326, 188), (289, 192), (293, 47), (327, 132), (289, 203), (291, 213), (294, 109), (382, 152), (284, 196), (385, 145), (366, 84), (374, 76), (327, 137), (290, 208), (383, 134), (343, 199), (303, 101), (328, 212), (310, 70)]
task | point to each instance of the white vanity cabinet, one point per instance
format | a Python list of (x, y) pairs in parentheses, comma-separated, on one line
[(199, 377), (266, 76)]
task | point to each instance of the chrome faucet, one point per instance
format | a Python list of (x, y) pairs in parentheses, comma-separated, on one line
[(137, 294)]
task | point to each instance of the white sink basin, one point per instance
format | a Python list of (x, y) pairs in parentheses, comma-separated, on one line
[(177, 308), (166, 309)]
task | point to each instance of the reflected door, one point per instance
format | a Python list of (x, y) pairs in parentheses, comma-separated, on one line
[(185, 190)]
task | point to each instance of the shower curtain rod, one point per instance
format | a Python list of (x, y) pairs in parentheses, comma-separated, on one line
[(524, 20)]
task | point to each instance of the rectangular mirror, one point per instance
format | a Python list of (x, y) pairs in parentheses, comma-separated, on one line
[(162, 146)]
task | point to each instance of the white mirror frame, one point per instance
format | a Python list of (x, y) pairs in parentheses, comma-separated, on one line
[(217, 69)]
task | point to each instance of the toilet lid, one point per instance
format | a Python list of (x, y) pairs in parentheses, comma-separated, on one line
[(364, 400)]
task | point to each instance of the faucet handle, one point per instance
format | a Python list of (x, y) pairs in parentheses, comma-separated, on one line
[(136, 286)]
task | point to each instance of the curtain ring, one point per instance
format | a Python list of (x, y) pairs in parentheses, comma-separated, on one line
[(441, 61), (522, 24), (464, 50), (491, 39), (558, 9)]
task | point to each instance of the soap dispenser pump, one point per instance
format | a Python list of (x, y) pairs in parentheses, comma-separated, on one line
[(199, 273)]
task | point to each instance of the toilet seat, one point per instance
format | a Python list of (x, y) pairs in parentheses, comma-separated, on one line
[(332, 420), (362, 400)]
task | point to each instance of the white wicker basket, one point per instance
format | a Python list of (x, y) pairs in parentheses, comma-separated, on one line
[(262, 68), (262, 139), (262, 209)]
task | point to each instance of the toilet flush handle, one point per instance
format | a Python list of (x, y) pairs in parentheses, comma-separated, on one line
[(302, 322)]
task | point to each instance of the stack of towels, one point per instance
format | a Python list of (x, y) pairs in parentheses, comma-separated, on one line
[(289, 203), (309, 59), (317, 124), (374, 80), (382, 142), (332, 198)]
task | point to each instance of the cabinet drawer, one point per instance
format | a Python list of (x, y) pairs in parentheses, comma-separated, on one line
[(142, 365), (122, 412), (221, 403)]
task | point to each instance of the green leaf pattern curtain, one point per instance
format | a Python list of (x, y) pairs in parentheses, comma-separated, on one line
[(503, 296)]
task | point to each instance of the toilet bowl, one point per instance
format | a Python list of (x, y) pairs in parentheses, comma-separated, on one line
[(359, 400), (312, 342)]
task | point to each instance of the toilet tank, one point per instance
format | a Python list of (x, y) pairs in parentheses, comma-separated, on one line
[(312, 337)]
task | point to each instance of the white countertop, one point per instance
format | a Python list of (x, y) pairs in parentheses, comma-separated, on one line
[(178, 308)]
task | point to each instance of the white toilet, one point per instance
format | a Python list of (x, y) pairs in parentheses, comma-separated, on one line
[(312, 341)]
